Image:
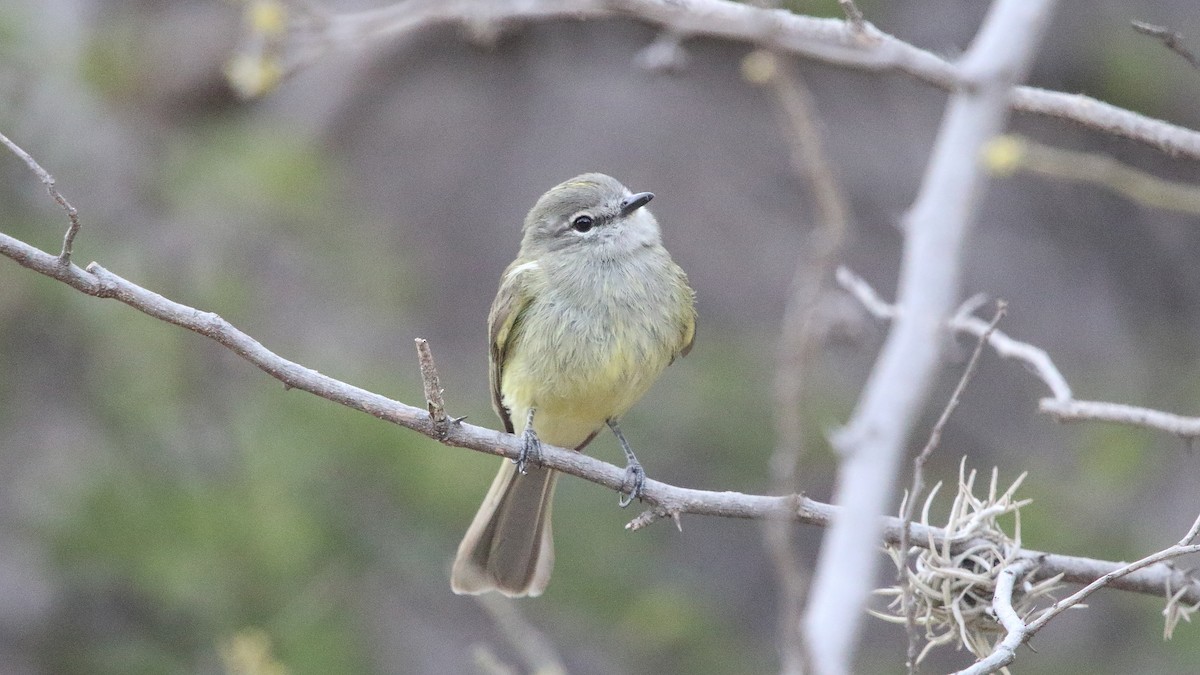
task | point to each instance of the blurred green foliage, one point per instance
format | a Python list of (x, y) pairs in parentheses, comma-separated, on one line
[(215, 503), (1122, 67), (191, 537), (204, 506)]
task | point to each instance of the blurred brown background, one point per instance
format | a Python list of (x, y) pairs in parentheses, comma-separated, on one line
[(160, 497)]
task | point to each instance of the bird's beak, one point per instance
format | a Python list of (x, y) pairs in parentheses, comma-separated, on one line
[(634, 202)]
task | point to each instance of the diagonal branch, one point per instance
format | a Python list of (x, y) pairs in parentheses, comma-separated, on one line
[(1156, 579), (1172, 40), (1011, 153), (1061, 404)]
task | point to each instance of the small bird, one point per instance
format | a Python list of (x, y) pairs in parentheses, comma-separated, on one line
[(586, 319)]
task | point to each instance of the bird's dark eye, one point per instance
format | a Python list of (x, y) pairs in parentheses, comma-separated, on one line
[(582, 223)]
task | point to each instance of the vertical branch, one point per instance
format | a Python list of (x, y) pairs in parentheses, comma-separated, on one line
[(799, 329), (873, 440), (433, 388)]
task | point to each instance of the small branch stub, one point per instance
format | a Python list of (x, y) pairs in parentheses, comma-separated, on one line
[(433, 389), (649, 516), (853, 14)]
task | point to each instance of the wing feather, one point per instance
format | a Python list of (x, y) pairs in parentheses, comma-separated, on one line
[(510, 301)]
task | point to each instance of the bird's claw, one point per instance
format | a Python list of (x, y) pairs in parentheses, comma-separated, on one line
[(635, 476), (531, 450)]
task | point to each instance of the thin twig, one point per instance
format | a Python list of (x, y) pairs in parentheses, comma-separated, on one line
[(1171, 39), (1083, 593), (1192, 533), (64, 258), (865, 294), (1035, 357), (433, 387), (918, 485), (1062, 404), (1020, 632)]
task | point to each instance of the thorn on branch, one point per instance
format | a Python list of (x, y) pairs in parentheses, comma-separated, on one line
[(650, 515), (433, 390)]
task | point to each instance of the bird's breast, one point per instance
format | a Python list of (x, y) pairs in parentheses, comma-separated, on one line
[(588, 347)]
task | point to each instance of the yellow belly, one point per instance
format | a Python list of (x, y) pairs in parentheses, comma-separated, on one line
[(575, 391)]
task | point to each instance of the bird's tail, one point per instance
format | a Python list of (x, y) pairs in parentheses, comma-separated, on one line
[(509, 547)]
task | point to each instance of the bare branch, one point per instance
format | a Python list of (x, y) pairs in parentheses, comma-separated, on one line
[(830, 41), (1095, 114), (872, 442), (866, 296), (1103, 411), (64, 258), (1002, 605), (1171, 39), (1021, 632), (1035, 357), (1062, 405), (664, 499)]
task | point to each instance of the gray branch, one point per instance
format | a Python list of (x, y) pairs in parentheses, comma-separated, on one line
[(874, 440), (662, 497), (832, 41), (1062, 404)]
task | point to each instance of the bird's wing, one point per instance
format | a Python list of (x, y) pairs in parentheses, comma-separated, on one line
[(511, 300), (688, 337)]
